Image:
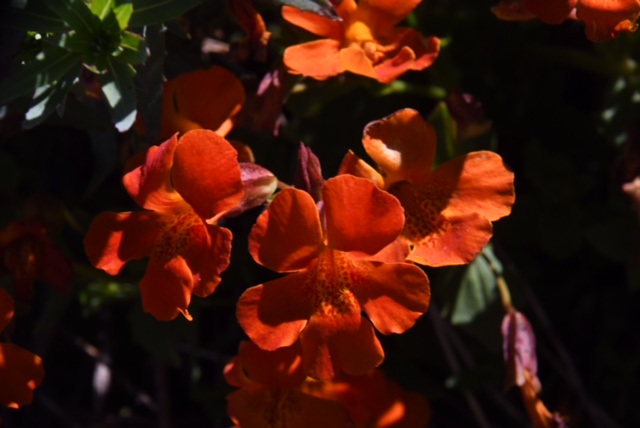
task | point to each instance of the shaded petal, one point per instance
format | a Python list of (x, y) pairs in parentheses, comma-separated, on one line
[(207, 174), (259, 185), (273, 314), (308, 175), (352, 164), (394, 295), (20, 373), (606, 19), (478, 182), (166, 288), (512, 10), (252, 23), (551, 11), (211, 98), (208, 255), (287, 236), (314, 23), (355, 60), (150, 184), (6, 309), (391, 68), (279, 368), (360, 217), (389, 12), (396, 252), (234, 374), (319, 59), (55, 269), (518, 349), (403, 145), (115, 238), (425, 49)]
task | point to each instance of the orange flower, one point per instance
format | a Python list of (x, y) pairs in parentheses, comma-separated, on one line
[(449, 210), (540, 416), (20, 370), (604, 19), (373, 401), (365, 42), (332, 282), (28, 254), (187, 184), (201, 99), (270, 394)]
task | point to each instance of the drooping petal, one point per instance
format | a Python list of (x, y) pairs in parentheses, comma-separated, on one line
[(211, 98), (308, 175), (281, 368), (166, 288), (519, 350), (403, 145), (273, 314), (115, 238), (319, 59), (478, 182), (352, 164), (314, 23), (551, 11), (354, 59), (208, 255), (150, 184), (6, 308), (394, 295), (259, 185), (20, 373), (606, 19), (387, 12), (360, 217), (207, 174), (287, 237)]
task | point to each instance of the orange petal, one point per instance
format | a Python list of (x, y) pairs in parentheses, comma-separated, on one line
[(150, 184), (274, 314), (478, 182), (319, 59), (314, 23), (388, 12), (352, 164), (20, 373), (207, 174), (56, 269), (512, 10), (6, 308), (425, 49), (208, 255), (403, 145), (355, 60), (551, 11), (287, 237), (281, 368), (252, 23), (166, 288), (605, 19), (234, 374), (359, 216), (394, 296), (391, 68), (206, 97), (115, 238)]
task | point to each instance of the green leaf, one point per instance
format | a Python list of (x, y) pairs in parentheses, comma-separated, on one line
[(49, 67), (477, 292), (51, 98), (123, 14), (71, 41), (117, 87), (101, 8), (134, 49), (76, 14), (40, 20), (319, 7), (146, 12)]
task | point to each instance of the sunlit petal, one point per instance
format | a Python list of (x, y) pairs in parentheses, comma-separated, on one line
[(314, 23), (352, 164), (319, 59)]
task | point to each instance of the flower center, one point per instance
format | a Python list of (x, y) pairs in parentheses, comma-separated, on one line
[(177, 234), (332, 281)]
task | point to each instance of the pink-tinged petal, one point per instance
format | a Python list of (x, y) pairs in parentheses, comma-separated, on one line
[(115, 238), (6, 309), (273, 314), (308, 175), (55, 269), (259, 185), (354, 59), (150, 184), (352, 164), (551, 11), (281, 368), (390, 69), (319, 59), (314, 23), (166, 288), (20, 373), (512, 10), (519, 349), (403, 145), (394, 295), (392, 11), (606, 19), (478, 182), (360, 217), (287, 237), (208, 255), (207, 174)]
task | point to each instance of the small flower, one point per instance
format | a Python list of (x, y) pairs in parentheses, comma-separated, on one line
[(28, 254), (201, 99), (366, 41), (186, 185), (20, 370), (331, 281), (270, 392), (448, 210)]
